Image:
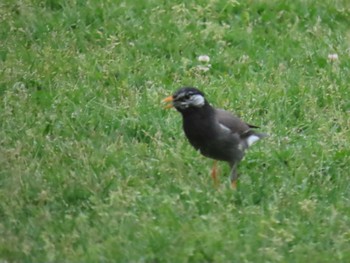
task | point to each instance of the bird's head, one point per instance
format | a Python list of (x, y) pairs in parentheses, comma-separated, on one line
[(186, 98)]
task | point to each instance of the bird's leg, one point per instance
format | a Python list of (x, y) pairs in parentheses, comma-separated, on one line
[(234, 176), (214, 173)]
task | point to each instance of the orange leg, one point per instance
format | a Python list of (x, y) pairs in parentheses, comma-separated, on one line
[(234, 176), (234, 184), (214, 174)]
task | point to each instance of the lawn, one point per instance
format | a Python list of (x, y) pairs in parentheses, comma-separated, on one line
[(94, 169)]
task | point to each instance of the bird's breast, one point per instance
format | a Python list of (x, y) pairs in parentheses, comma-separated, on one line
[(206, 137), (199, 132)]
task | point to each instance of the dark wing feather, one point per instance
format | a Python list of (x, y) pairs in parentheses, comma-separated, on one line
[(235, 124)]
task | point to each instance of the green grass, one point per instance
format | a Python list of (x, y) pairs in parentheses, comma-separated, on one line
[(92, 169)]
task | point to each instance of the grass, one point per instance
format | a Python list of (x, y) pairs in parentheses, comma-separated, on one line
[(92, 169)]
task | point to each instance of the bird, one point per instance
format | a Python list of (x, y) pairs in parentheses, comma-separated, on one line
[(215, 133)]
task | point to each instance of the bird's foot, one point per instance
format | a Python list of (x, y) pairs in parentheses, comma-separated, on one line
[(214, 174)]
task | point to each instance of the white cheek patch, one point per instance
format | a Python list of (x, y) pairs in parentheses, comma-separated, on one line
[(252, 139), (197, 100)]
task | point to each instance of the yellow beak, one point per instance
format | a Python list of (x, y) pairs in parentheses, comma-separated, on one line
[(168, 99)]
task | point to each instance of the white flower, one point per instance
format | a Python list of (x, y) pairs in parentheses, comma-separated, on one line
[(204, 58), (244, 58), (333, 57)]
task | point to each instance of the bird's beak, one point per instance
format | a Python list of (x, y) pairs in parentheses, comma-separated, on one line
[(168, 99)]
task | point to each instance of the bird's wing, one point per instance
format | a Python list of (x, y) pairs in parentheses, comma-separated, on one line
[(235, 124)]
